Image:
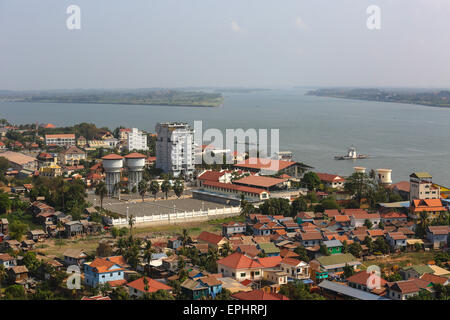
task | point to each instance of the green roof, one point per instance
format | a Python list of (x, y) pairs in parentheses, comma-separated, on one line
[(336, 259), (422, 175), (269, 247), (420, 269)]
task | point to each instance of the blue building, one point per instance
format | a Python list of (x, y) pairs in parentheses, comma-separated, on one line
[(103, 270)]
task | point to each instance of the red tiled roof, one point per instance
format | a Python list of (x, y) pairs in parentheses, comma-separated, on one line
[(211, 176), (291, 261), (362, 277), (96, 298), (434, 278), (117, 283), (409, 286), (112, 156), (376, 233), (331, 212), (135, 155), (260, 181), (439, 229), (397, 235), (152, 284), (102, 265), (311, 235), (230, 186), (392, 215), (342, 218), (62, 135), (329, 177), (401, 186), (239, 261), (210, 237), (261, 163), (259, 295), (270, 262)]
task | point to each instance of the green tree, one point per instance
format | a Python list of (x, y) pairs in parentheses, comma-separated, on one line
[(142, 189), (298, 205), (17, 229), (275, 206), (368, 224), (355, 249), (166, 187), (311, 180), (297, 290), (324, 250), (5, 203), (302, 253), (101, 191), (15, 292), (348, 271), (178, 188), (359, 184), (154, 188)]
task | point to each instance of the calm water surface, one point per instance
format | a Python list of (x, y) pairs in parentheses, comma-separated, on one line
[(404, 138)]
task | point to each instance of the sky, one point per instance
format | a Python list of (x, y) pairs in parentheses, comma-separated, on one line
[(237, 43)]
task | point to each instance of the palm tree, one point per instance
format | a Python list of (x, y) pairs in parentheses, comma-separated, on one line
[(178, 188), (154, 188), (185, 237), (142, 188), (131, 223), (226, 249), (165, 187), (101, 191)]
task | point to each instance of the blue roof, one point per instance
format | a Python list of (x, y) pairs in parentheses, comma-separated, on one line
[(156, 256), (349, 291)]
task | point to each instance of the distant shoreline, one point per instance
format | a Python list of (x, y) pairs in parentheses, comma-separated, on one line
[(436, 99), (118, 103)]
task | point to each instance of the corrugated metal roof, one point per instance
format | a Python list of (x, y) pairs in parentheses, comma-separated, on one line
[(349, 291)]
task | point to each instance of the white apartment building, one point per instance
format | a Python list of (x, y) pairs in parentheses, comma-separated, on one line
[(61, 140), (137, 140), (421, 187), (175, 150)]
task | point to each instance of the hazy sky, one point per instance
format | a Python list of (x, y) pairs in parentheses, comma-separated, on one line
[(173, 43)]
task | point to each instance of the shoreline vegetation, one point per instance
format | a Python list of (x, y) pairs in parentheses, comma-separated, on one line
[(430, 98), (162, 97)]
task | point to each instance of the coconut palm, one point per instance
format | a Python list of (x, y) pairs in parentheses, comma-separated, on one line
[(142, 188), (131, 223), (154, 188), (185, 237), (165, 187), (101, 191)]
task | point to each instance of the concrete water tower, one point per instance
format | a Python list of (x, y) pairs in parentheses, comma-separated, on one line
[(112, 163), (359, 169), (135, 163), (384, 176)]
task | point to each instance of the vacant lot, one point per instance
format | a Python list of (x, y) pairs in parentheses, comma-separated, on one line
[(401, 259)]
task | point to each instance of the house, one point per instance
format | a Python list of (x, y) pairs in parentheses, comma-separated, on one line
[(439, 236), (73, 228), (214, 285), (174, 243), (4, 226), (74, 257), (333, 246), (139, 287), (36, 235), (194, 290), (269, 249), (233, 285), (276, 276), (13, 245), (331, 180), (334, 264), (415, 271), (261, 229), (397, 240), (28, 245), (310, 238), (432, 207), (434, 279), (240, 267), (19, 273), (7, 261), (401, 290), (367, 281), (231, 228), (295, 268), (60, 140), (213, 240), (250, 250), (72, 156), (101, 271), (357, 219), (258, 295), (392, 216)]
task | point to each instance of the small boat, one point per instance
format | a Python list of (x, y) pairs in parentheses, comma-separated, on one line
[(351, 155)]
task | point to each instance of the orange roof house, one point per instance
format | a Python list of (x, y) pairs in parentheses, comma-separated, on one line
[(213, 240), (138, 287), (258, 295)]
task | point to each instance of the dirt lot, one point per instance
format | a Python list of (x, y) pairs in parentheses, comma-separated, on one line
[(401, 259)]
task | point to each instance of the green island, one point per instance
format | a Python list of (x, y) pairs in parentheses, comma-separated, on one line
[(163, 97), (426, 97)]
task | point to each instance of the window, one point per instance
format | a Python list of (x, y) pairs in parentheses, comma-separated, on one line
[(243, 274)]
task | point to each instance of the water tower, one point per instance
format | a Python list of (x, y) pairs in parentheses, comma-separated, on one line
[(384, 176), (359, 169), (112, 163), (135, 163)]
